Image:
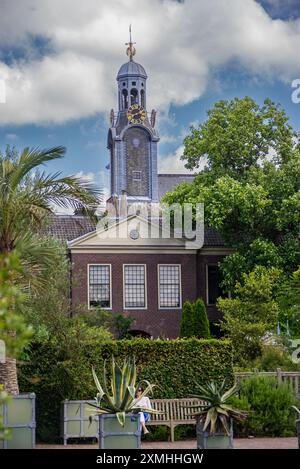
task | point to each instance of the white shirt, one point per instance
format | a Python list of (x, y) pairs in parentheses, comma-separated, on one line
[(143, 402)]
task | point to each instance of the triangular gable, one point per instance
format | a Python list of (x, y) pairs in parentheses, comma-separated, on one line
[(132, 231)]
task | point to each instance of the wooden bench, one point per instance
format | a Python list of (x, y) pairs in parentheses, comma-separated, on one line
[(174, 413)]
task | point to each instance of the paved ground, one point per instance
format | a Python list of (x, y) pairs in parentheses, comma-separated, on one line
[(245, 443)]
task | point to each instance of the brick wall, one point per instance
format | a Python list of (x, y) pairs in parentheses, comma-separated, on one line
[(152, 320), (137, 159)]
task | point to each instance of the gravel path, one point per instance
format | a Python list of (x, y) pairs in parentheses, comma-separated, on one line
[(245, 443)]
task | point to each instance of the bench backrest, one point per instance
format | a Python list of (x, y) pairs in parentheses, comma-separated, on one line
[(174, 410)]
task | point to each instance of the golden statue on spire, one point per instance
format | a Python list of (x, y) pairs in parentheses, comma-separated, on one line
[(130, 51)]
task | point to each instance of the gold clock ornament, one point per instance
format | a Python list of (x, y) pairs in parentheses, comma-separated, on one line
[(136, 114)]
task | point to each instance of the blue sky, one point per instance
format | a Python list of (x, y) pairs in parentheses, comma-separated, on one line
[(60, 74)]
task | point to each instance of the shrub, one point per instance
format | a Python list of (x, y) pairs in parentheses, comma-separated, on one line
[(251, 313), (172, 365), (201, 320), (187, 320), (275, 357), (269, 405), (194, 321)]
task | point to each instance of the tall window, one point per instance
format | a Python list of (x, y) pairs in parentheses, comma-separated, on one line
[(100, 285), (169, 286), (214, 279), (134, 286)]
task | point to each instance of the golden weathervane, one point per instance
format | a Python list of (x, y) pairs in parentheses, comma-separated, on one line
[(130, 51)]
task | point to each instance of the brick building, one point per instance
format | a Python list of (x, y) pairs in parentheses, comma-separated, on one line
[(148, 278)]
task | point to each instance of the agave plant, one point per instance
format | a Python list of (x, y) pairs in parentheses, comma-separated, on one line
[(117, 395), (215, 413)]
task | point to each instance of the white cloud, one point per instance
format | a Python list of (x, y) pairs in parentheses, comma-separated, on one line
[(172, 164), (168, 139), (11, 137), (180, 44)]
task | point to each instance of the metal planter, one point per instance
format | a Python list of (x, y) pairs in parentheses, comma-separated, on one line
[(298, 431), (113, 436), (218, 440), (19, 416), (75, 420)]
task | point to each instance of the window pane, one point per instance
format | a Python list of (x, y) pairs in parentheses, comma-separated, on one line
[(99, 285), (213, 281), (134, 283), (169, 286)]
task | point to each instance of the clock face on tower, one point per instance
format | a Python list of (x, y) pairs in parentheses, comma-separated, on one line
[(136, 114)]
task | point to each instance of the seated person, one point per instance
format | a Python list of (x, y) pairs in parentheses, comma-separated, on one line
[(143, 402)]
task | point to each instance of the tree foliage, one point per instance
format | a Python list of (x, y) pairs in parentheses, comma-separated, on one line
[(250, 184), (27, 196), (239, 135), (251, 313)]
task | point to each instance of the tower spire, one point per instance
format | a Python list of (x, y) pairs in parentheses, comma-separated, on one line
[(130, 51)]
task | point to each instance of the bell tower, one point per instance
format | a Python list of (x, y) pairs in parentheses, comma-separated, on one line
[(132, 137)]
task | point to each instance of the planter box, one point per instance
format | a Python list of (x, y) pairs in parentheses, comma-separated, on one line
[(298, 431), (113, 436), (218, 440), (75, 420), (19, 416)]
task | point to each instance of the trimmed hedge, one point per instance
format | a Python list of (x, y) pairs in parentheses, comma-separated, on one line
[(173, 365)]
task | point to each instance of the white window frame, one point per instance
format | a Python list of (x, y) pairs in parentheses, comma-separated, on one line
[(145, 286), (180, 286), (110, 284)]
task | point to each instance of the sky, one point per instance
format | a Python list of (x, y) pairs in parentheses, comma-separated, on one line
[(59, 60)]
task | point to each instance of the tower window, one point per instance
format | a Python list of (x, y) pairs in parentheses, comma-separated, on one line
[(124, 84), (142, 98), (134, 83), (142, 84), (124, 99), (134, 96), (136, 175)]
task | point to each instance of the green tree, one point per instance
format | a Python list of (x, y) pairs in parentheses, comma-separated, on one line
[(251, 313), (288, 298), (14, 333), (201, 323), (27, 196), (249, 186), (187, 320), (238, 135)]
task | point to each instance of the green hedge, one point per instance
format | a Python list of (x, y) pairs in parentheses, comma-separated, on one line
[(173, 365)]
